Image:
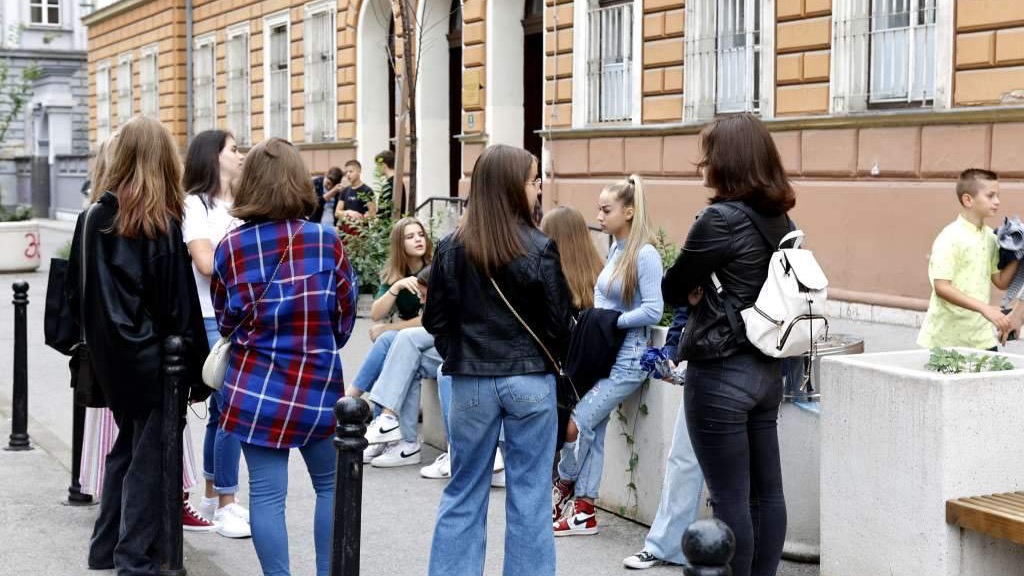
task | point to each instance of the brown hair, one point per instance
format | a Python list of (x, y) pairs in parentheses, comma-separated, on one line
[(580, 262), (99, 167), (740, 162), (398, 264), (968, 182), (630, 192), (145, 173), (497, 207), (274, 184)]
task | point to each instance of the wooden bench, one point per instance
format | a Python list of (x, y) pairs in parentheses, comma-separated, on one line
[(996, 515)]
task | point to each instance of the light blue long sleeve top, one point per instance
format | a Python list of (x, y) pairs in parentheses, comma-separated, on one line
[(647, 305)]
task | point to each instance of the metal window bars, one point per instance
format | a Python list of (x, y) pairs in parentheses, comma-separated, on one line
[(238, 87), (280, 105), (738, 51), (610, 63), (149, 96), (124, 91), (204, 95), (320, 77), (102, 103)]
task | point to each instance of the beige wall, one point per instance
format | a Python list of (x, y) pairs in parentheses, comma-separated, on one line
[(663, 27), (802, 42), (989, 51)]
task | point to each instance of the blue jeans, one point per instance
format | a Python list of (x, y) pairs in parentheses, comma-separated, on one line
[(374, 363), (268, 489), (582, 461), (412, 356), (444, 394), (732, 412), (221, 451), (680, 496), (525, 406)]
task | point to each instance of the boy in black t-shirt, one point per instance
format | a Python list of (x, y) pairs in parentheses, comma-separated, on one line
[(355, 202)]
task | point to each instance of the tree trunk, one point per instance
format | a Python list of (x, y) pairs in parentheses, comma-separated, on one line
[(410, 82)]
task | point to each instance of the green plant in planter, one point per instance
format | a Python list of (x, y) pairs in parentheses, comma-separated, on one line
[(668, 252), (949, 361), (367, 247), (17, 214)]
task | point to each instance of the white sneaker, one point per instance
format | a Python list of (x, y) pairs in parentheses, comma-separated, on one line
[(231, 522), (207, 507), (642, 560), (499, 461), (498, 479), (372, 451), (383, 429), (440, 469), (398, 454)]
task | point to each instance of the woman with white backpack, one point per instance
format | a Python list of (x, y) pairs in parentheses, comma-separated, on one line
[(733, 390)]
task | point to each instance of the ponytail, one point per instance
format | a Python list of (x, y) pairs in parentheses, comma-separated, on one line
[(631, 193)]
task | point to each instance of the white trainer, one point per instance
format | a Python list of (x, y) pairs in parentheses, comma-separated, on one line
[(398, 454), (207, 507), (642, 560), (383, 429), (439, 470), (372, 451), (232, 523)]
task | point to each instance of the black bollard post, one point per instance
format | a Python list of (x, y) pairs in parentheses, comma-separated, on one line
[(708, 546), (19, 416), (75, 496), (350, 440), (174, 370)]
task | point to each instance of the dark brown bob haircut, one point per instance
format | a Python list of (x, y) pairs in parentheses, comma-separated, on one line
[(969, 181), (274, 184), (497, 207), (740, 162)]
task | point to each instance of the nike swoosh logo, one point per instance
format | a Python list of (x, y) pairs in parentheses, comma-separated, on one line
[(383, 431), (404, 455), (577, 522)]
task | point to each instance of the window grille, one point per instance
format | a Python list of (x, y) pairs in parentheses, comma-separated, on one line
[(149, 94), (44, 12), (738, 55), (279, 89), (238, 87), (124, 90), (902, 50), (102, 102), (610, 62), (321, 76), (204, 103)]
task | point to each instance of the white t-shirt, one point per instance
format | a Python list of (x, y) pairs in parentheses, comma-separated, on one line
[(212, 223)]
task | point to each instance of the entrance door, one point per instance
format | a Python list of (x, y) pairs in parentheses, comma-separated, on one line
[(454, 97), (533, 76)]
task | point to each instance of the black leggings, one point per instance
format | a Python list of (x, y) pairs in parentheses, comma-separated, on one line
[(732, 408)]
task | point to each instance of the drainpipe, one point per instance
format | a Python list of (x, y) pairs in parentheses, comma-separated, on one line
[(188, 71)]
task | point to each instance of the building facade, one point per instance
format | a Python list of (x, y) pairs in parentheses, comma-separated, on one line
[(875, 105), (47, 139)]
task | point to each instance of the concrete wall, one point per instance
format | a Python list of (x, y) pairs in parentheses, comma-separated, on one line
[(989, 51)]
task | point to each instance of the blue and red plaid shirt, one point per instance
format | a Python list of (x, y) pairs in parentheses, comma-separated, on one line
[(284, 374)]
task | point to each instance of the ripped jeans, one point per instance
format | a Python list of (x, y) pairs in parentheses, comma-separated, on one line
[(582, 461)]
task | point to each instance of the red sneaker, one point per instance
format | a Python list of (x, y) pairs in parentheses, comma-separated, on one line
[(192, 521), (561, 498), (578, 520)]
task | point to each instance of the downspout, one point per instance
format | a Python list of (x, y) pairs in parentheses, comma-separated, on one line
[(188, 71)]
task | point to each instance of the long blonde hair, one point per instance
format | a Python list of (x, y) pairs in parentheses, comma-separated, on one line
[(398, 264), (581, 263), (99, 167), (145, 174), (630, 192)]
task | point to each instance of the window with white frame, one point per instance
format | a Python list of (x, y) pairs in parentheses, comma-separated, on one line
[(149, 92), (124, 89), (102, 102), (321, 72), (204, 94), (890, 53), (237, 65), (44, 12), (609, 61), (277, 76), (728, 69)]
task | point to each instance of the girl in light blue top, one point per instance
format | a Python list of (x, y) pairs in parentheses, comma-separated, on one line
[(630, 283)]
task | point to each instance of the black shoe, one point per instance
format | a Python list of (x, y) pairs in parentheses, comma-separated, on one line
[(642, 560)]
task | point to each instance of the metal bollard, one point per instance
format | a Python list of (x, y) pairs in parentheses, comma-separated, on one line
[(75, 496), (708, 546), (350, 440), (19, 416), (174, 370)]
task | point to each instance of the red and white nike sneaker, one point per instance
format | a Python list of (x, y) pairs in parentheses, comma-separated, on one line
[(561, 499), (578, 521)]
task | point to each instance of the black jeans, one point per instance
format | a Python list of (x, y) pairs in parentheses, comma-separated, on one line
[(128, 527), (732, 408)]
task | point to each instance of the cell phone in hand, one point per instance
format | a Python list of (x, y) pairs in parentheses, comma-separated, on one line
[(1013, 333)]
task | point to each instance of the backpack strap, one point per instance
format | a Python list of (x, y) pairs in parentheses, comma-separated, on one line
[(758, 222)]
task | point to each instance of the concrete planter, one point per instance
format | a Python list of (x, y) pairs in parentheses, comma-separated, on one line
[(20, 241), (897, 442), (363, 305)]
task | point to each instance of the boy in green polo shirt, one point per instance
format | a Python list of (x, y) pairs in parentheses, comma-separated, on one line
[(961, 266)]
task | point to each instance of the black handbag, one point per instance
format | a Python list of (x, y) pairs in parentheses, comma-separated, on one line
[(60, 329), (87, 389)]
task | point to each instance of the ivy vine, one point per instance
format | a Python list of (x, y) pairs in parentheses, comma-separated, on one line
[(629, 433)]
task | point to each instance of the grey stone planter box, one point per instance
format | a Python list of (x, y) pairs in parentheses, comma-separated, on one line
[(897, 442)]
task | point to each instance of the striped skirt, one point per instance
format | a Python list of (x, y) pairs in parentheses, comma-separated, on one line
[(99, 437)]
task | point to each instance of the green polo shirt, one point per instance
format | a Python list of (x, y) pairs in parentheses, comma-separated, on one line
[(966, 255)]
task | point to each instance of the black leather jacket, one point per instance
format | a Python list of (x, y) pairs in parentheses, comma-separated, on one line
[(474, 330), (137, 293), (722, 240)]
